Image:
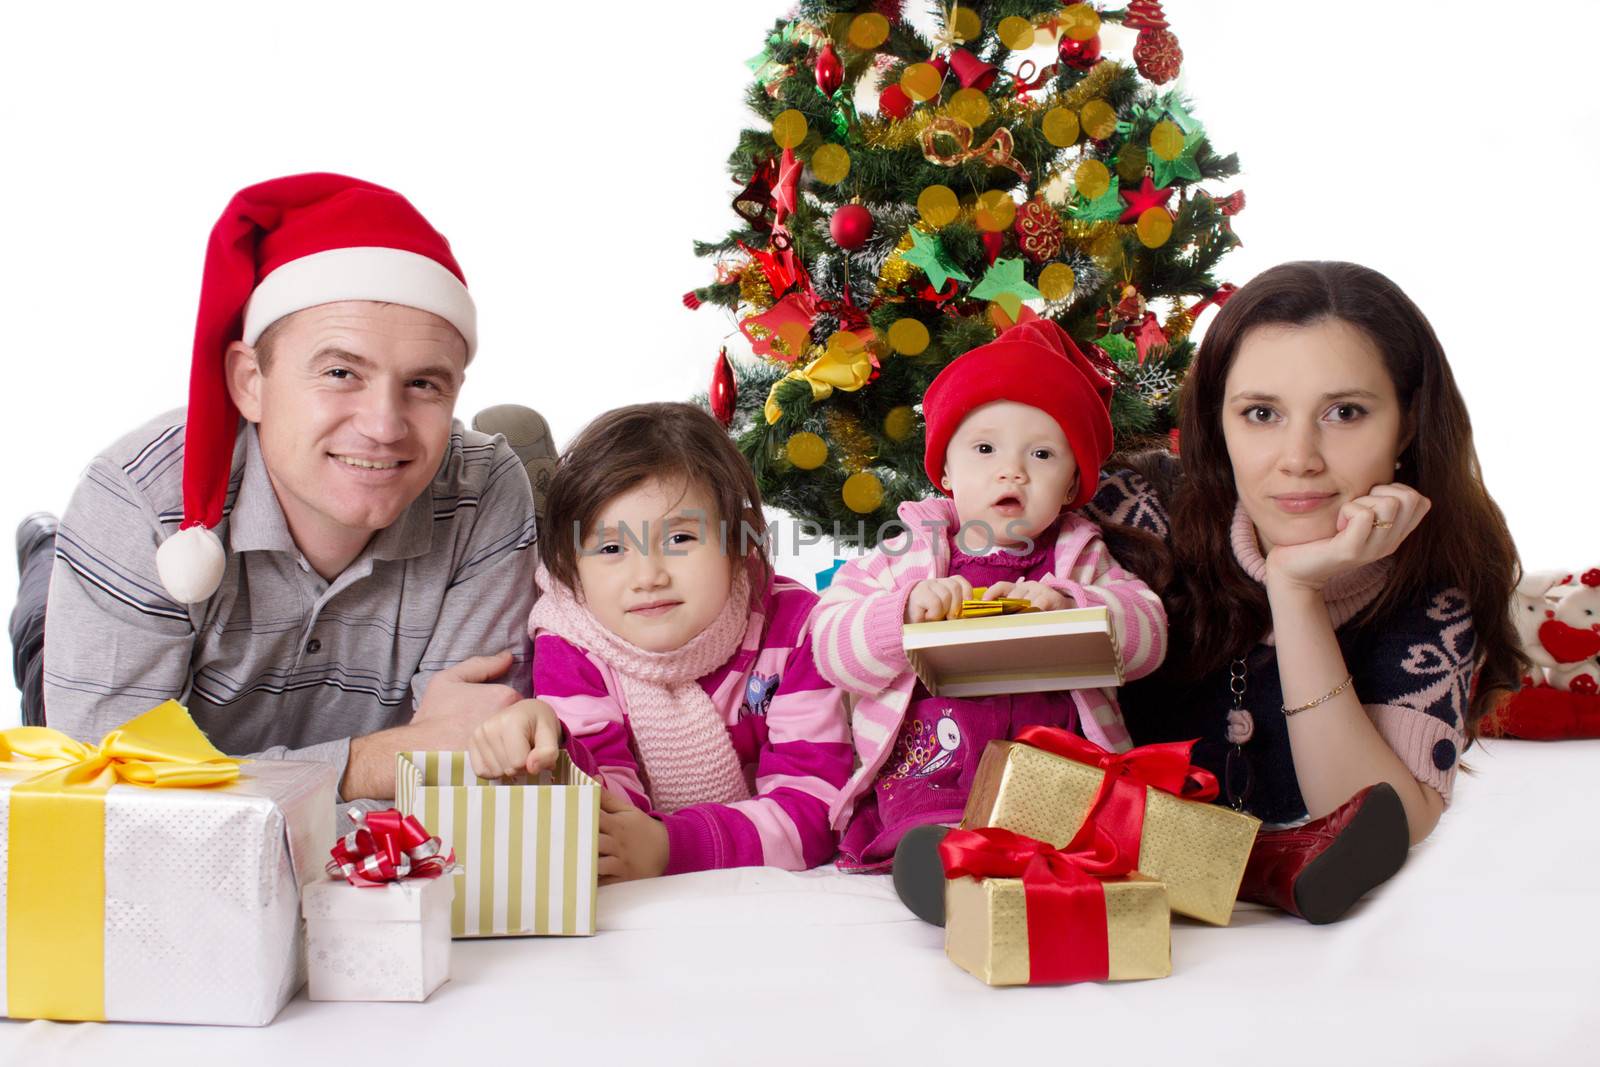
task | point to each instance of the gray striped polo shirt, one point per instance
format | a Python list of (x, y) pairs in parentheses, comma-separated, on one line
[(279, 663)]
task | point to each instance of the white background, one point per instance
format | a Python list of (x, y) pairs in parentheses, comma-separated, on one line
[(572, 152)]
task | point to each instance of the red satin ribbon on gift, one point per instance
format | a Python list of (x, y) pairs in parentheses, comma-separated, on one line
[(1116, 817), (1067, 936), (387, 846)]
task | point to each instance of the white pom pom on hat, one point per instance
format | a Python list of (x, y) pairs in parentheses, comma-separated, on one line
[(190, 564), (280, 247)]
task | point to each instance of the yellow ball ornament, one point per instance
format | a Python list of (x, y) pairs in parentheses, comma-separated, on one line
[(900, 423), (996, 211), (1131, 163), (831, 163), (966, 24), (1099, 119), (806, 450), (846, 341), (1079, 22), (1154, 227), (1016, 33), (908, 337), (863, 493), (796, 338), (789, 128), (921, 81), (970, 106), (868, 31), (1057, 281), (1060, 127), (1108, 252), (1092, 179), (1166, 140), (938, 205)]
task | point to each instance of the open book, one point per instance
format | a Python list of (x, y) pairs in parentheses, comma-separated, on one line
[(1027, 652)]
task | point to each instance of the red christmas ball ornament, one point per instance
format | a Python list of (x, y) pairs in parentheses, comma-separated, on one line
[(1157, 55), (894, 102), (851, 225), (993, 244), (1079, 55), (1039, 231), (830, 71), (724, 390)]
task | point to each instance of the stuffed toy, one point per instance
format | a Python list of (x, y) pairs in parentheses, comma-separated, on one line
[(1558, 620)]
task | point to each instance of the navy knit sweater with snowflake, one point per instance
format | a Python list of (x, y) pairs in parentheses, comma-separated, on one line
[(1413, 672)]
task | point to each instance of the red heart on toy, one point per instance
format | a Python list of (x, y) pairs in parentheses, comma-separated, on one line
[(1568, 644)]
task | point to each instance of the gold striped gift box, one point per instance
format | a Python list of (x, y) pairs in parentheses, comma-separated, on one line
[(528, 850)]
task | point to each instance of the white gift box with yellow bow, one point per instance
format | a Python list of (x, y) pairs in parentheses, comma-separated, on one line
[(151, 878)]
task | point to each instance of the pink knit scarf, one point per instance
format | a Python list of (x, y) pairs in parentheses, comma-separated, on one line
[(682, 741), (1345, 594)]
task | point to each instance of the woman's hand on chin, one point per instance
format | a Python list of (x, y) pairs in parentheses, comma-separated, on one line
[(1370, 528)]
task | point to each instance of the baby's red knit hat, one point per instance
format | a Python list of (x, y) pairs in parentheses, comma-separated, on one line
[(1034, 363)]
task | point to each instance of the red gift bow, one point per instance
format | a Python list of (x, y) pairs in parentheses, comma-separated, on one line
[(387, 846), (1066, 902), (1117, 812)]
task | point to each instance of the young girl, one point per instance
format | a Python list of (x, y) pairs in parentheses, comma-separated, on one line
[(1342, 577), (1016, 432), (679, 664)]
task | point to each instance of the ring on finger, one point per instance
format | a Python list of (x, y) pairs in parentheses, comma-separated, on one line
[(1382, 525)]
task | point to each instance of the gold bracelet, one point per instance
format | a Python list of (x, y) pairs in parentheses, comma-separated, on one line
[(1329, 695)]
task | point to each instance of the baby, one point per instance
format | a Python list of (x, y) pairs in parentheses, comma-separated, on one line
[(1016, 433)]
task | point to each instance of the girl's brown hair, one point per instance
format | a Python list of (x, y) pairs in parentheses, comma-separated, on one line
[(670, 442), (1463, 541)]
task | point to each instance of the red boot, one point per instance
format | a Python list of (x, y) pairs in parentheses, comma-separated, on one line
[(1317, 871)]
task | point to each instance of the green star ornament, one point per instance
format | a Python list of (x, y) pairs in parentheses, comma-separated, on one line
[(1180, 166), (1105, 208), (928, 254), (1004, 284)]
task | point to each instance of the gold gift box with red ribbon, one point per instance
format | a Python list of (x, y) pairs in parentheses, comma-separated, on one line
[(1018, 912), (1063, 789)]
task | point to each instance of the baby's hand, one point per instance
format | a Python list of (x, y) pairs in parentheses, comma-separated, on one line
[(525, 737), (937, 598), (1042, 597)]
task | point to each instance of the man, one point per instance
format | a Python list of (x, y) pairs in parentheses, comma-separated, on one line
[(348, 573)]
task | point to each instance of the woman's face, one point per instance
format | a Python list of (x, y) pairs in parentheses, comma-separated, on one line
[(1311, 421), (653, 569)]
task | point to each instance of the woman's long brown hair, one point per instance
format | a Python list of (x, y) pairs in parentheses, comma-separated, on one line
[(1462, 542)]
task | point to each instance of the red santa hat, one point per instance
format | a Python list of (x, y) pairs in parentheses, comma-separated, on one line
[(280, 247), (1034, 363)]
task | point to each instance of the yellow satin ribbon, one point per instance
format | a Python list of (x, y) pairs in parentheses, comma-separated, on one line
[(840, 367), (55, 879), (996, 151)]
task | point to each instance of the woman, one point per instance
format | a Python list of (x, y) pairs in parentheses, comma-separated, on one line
[(1340, 578)]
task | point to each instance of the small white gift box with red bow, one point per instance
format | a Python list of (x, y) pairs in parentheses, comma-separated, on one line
[(379, 929)]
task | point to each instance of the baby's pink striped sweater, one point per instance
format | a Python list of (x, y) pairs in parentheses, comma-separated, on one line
[(859, 619), (787, 724)]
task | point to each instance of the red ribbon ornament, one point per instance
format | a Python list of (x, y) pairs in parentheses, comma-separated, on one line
[(387, 846), (1116, 817), (1066, 902), (1224, 292)]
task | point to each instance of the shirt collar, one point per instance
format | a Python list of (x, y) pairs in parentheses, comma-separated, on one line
[(257, 521)]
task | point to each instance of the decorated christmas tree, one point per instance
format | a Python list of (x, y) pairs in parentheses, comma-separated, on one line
[(907, 196)]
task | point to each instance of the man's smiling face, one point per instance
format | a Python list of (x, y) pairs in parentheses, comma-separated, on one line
[(353, 406)]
